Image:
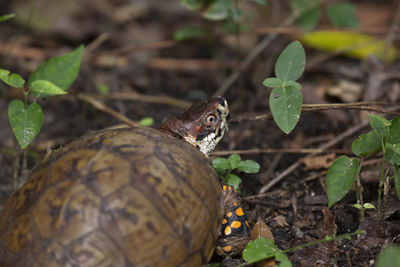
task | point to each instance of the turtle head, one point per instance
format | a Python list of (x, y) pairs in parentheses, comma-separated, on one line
[(202, 125)]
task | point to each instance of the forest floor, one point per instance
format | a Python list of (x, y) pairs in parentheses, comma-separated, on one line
[(131, 53)]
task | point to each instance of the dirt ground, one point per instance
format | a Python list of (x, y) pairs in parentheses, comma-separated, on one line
[(130, 49)]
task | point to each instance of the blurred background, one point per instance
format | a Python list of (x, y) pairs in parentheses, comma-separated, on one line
[(153, 58)]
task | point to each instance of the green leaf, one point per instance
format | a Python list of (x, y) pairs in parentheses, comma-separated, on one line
[(340, 178), (61, 70), (146, 121), (357, 206), (293, 84), (309, 19), (43, 88), (260, 249), (103, 89), (248, 166), (273, 82), (392, 153), (188, 33), (192, 4), (234, 181), (394, 130), (290, 63), (219, 10), (283, 260), (285, 105), (25, 123), (367, 144), (369, 206), (397, 180), (343, 15), (6, 17), (379, 124), (234, 160), (12, 79), (221, 163), (390, 256)]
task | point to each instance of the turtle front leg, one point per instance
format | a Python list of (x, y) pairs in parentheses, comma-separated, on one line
[(235, 232)]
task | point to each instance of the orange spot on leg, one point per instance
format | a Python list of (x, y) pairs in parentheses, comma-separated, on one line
[(236, 224), (228, 230), (239, 212)]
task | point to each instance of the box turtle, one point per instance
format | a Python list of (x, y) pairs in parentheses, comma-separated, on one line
[(128, 197)]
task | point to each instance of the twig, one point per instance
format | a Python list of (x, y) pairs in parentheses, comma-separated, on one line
[(279, 150), (97, 104), (155, 99), (321, 107), (327, 145)]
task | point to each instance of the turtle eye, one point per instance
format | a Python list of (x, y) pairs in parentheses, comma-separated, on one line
[(210, 120)]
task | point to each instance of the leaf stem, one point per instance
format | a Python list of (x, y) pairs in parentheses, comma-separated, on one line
[(381, 183), (358, 191)]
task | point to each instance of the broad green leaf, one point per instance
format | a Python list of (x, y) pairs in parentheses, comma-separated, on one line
[(25, 123), (146, 121), (379, 124), (234, 181), (397, 180), (367, 144), (273, 82), (220, 163), (219, 10), (6, 17), (351, 44), (392, 153), (285, 105), (248, 166), (234, 160), (60, 70), (394, 131), (192, 4), (309, 19), (340, 178), (12, 79), (343, 15), (390, 256), (290, 63), (260, 249), (188, 33), (43, 88), (283, 260)]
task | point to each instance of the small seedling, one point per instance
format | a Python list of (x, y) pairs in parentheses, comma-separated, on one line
[(52, 77), (286, 99), (225, 166), (344, 172)]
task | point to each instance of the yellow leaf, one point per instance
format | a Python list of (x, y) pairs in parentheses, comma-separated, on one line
[(352, 44)]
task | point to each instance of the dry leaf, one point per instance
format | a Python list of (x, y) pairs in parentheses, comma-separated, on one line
[(281, 221), (261, 230), (319, 162)]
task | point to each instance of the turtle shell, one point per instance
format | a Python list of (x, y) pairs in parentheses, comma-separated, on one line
[(121, 197)]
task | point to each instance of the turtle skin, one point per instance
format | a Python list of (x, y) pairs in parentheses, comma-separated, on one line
[(120, 197)]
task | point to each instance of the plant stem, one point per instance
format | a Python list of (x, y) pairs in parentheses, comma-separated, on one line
[(325, 240), (358, 191), (381, 183)]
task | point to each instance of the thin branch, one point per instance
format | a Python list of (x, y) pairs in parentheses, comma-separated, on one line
[(100, 106), (279, 150)]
